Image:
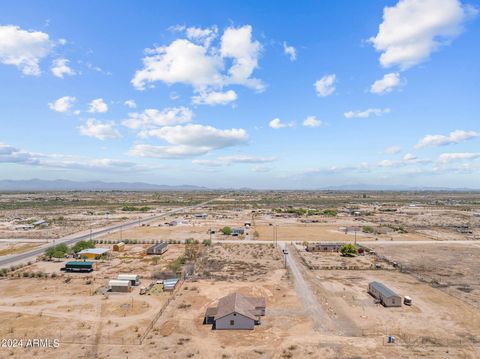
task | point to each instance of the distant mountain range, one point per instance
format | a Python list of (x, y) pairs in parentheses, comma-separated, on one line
[(369, 187), (66, 185)]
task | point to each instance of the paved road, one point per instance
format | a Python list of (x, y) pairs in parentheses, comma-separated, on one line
[(85, 235)]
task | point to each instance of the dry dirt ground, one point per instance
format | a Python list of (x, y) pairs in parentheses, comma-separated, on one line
[(72, 308), (451, 267), (437, 325), (320, 260)]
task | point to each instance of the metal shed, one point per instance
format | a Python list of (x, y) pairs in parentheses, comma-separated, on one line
[(116, 285), (158, 248), (385, 295), (170, 284), (133, 278), (93, 253)]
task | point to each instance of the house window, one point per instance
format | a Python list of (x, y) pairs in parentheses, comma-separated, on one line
[(232, 322)]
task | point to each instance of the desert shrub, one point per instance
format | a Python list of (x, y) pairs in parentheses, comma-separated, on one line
[(226, 230), (348, 249), (367, 229), (330, 212)]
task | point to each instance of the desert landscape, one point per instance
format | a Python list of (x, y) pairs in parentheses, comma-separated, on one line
[(421, 246)]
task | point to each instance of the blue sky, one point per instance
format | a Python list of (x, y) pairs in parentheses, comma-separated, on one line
[(254, 94)]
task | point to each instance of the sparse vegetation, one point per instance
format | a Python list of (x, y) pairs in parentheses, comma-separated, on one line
[(226, 230), (348, 250), (368, 229)]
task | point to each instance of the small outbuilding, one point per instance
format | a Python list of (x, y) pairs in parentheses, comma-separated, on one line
[(170, 284), (40, 223), (237, 231), (119, 247), (236, 311), (158, 248), (385, 295), (134, 279), (116, 285), (78, 266), (93, 253)]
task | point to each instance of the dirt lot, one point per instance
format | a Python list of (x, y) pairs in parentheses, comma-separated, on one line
[(450, 267), (239, 262), (326, 260), (90, 325), (435, 317)]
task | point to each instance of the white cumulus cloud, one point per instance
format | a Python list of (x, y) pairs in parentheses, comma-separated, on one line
[(188, 140), (326, 85), (214, 98), (60, 68), (152, 118), (393, 150), (24, 49), (386, 84), (311, 121), (454, 137), (202, 35), (98, 105), (276, 123), (130, 104), (100, 130), (194, 62), (63, 104), (450, 157), (412, 29), (290, 51), (366, 113)]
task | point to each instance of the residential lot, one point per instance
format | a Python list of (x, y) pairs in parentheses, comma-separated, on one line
[(316, 306)]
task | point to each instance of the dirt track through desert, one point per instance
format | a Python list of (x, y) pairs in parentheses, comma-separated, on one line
[(320, 319)]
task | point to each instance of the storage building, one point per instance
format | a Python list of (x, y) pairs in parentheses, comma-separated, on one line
[(77, 266), (170, 284), (158, 248), (237, 231), (133, 278), (119, 247), (116, 285), (385, 295), (93, 253)]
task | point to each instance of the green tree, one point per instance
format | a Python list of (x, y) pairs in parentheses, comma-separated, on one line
[(57, 251), (348, 250), (80, 246), (226, 230)]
